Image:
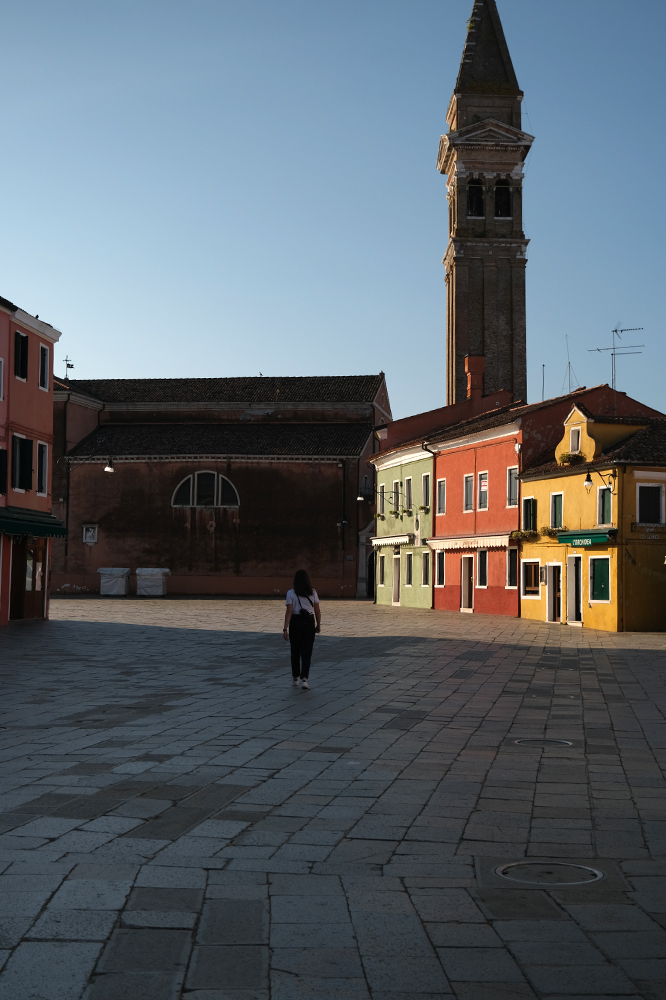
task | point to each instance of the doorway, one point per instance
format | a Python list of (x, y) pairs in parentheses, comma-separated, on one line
[(574, 590), (554, 593), (467, 583), (28, 584), (396, 579), (370, 576)]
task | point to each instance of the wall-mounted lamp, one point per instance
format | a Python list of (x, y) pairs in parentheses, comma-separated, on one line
[(588, 482), (610, 485), (109, 466)]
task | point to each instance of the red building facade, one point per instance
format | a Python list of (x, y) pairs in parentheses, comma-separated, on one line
[(26, 462)]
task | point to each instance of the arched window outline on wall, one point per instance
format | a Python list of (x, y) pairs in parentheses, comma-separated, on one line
[(475, 209), (205, 489), (503, 199)]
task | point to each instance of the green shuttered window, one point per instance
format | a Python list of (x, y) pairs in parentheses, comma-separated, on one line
[(600, 579)]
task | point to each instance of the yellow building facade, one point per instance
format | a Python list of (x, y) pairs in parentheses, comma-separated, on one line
[(593, 527)]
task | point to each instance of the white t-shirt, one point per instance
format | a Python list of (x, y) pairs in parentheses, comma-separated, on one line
[(308, 602)]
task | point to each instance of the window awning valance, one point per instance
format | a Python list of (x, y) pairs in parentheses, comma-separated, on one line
[(17, 521), (392, 540), (582, 538), (473, 542)]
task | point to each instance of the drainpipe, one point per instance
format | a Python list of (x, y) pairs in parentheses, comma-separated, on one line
[(433, 491), (622, 562)]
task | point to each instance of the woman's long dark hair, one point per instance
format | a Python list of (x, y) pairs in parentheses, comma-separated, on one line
[(302, 585)]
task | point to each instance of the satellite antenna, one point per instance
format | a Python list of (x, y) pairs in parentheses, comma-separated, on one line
[(570, 374), (619, 350)]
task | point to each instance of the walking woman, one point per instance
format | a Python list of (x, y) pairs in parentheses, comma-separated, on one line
[(302, 620)]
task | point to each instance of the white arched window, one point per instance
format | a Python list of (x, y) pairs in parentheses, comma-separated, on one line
[(205, 489)]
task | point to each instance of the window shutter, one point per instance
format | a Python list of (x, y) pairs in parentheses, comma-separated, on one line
[(43, 367), (25, 463), (600, 579), (42, 468), (3, 471)]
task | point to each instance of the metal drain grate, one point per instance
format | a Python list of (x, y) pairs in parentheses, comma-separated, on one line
[(549, 873)]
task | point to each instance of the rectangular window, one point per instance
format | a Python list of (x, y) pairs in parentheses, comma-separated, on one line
[(3, 471), (468, 500), (20, 355), (530, 514), (425, 570), (605, 512), (574, 439), (650, 505), (425, 490), (530, 579), (409, 561), (441, 496), (482, 568), (483, 491), (600, 579), (395, 496), (440, 568), (43, 367), (42, 468), (512, 568), (2, 379), (408, 494), (382, 500), (382, 571), (556, 510), (512, 487), (21, 463)]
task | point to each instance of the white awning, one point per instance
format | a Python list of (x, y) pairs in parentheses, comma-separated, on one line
[(392, 540), (475, 542)]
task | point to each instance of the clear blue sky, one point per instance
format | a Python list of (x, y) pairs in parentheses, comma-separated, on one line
[(241, 186)]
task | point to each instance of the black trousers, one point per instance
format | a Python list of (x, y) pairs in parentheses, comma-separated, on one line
[(301, 639)]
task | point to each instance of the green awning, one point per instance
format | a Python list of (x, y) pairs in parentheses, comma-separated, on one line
[(591, 537), (17, 521)]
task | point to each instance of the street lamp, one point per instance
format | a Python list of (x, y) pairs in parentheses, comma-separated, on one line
[(588, 482), (109, 466)]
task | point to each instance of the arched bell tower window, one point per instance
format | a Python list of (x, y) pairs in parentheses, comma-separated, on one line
[(503, 200), (205, 489), (475, 199)]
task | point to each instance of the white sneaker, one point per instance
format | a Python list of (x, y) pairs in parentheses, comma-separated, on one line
[(305, 684), (296, 681)]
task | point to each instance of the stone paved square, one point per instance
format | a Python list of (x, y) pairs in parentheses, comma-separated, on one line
[(177, 821)]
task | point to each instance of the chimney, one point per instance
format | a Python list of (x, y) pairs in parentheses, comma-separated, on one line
[(475, 366)]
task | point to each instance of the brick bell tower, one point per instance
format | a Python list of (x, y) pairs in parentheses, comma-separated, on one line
[(482, 156)]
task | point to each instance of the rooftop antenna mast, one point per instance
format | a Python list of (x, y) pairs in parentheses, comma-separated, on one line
[(68, 365), (619, 350), (570, 374)]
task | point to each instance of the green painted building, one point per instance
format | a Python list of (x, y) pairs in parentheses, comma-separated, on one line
[(403, 561)]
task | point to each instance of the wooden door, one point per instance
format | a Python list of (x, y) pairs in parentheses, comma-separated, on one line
[(28, 578), (466, 583), (396, 579)]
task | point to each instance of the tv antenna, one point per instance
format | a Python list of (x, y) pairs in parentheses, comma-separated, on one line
[(68, 365), (570, 375), (619, 350)]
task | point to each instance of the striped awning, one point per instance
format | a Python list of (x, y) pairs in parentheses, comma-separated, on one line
[(473, 542), (392, 540)]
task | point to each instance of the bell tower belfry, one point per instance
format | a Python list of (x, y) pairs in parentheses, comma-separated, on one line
[(482, 156)]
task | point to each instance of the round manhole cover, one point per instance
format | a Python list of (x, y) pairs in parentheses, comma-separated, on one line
[(548, 873), (531, 742)]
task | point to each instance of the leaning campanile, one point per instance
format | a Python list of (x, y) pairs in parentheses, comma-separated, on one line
[(482, 156)]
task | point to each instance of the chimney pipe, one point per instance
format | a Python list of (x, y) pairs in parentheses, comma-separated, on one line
[(475, 366)]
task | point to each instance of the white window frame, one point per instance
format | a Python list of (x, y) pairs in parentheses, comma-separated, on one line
[(574, 431), (10, 457), (381, 571), (590, 560), (507, 585), (443, 483), (409, 569), (478, 488), (425, 489), (409, 494), (425, 567), (468, 510), (436, 582), (2, 379), (557, 493), (43, 444), (44, 388), (601, 489), (382, 498), (18, 377), (638, 507), (523, 595), (510, 469), (481, 586)]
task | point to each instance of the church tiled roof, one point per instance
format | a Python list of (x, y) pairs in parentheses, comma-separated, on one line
[(306, 389), (224, 440)]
